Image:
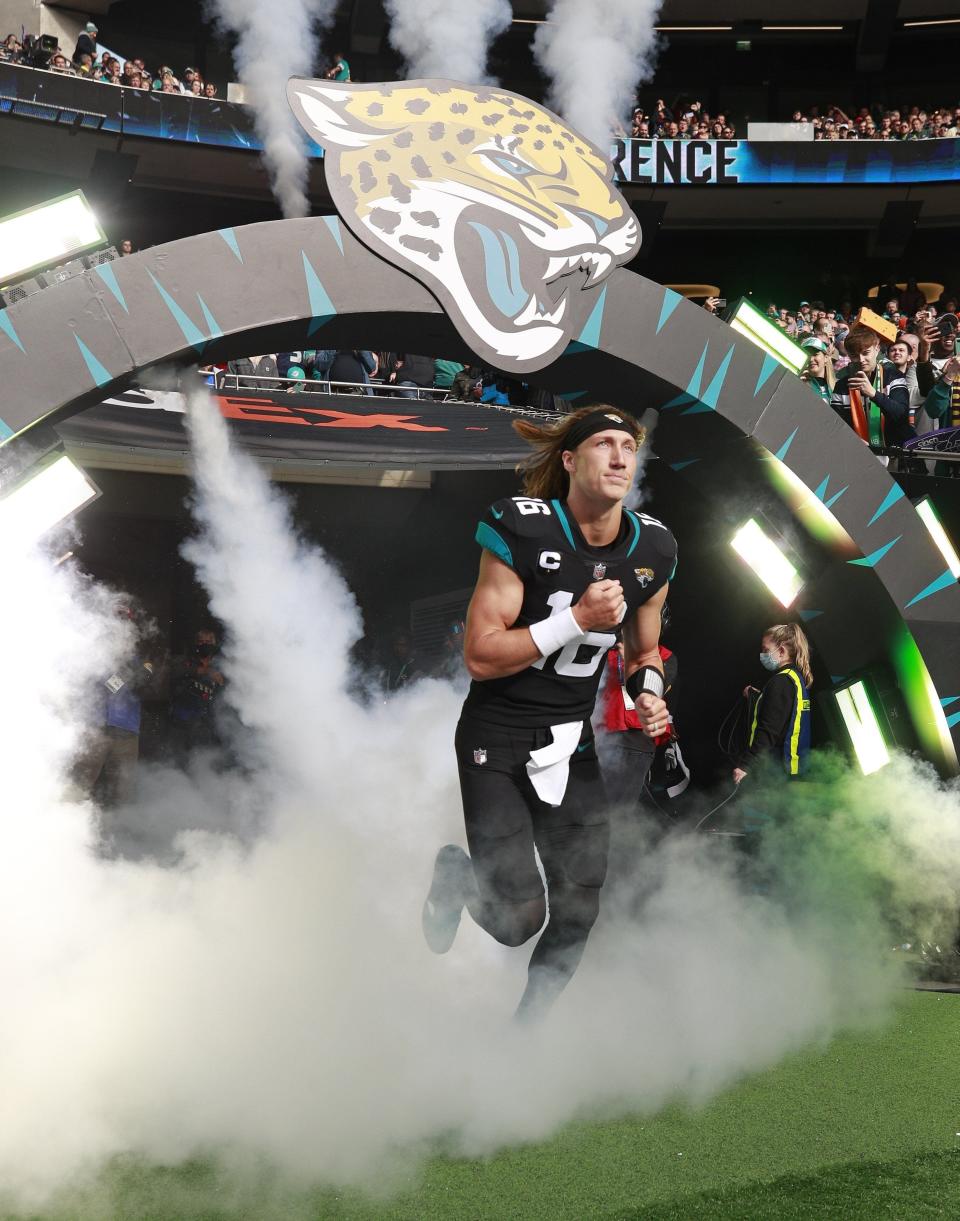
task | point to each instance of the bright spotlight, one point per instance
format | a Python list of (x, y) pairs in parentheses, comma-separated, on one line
[(768, 561), (756, 327), (928, 515), (47, 494), (49, 233), (863, 727)]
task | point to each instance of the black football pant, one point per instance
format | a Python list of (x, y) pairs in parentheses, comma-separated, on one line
[(505, 821)]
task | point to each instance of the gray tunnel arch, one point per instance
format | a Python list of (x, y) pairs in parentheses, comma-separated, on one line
[(726, 410)]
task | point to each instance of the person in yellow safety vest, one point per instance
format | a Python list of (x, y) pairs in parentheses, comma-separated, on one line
[(780, 724)]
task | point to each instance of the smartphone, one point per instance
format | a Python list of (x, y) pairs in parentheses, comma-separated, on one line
[(721, 303)]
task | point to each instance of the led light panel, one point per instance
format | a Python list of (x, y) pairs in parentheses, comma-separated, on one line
[(49, 233), (757, 327), (863, 727), (35, 505), (768, 561)]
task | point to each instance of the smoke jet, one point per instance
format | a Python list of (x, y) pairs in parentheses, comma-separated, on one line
[(274, 42), (595, 54), (447, 40)]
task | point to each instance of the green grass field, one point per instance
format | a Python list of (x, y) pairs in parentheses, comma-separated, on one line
[(867, 1127)]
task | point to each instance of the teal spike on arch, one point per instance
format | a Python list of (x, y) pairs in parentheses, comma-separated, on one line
[(333, 224), (943, 581), (710, 397), (7, 327), (230, 238), (191, 332), (671, 300), (874, 558), (589, 338), (782, 451), (896, 493), (97, 371), (767, 369), (322, 308), (107, 274), (693, 386)]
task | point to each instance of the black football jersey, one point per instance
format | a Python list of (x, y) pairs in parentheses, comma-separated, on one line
[(543, 544)]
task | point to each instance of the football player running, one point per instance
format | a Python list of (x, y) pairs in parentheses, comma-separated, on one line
[(564, 570)]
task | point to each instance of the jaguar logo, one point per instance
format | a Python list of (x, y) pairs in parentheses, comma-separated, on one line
[(503, 211)]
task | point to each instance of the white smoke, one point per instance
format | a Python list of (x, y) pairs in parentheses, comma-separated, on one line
[(268, 994), (274, 42), (595, 53), (451, 41)]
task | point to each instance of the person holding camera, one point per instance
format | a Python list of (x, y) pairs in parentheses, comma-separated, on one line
[(871, 394)]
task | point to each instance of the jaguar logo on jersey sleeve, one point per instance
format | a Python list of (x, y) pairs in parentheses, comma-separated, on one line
[(503, 211)]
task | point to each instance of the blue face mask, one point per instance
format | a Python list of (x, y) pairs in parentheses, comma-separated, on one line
[(769, 662)]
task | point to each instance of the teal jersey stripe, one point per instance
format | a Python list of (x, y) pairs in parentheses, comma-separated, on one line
[(562, 518), (635, 522), (491, 541)]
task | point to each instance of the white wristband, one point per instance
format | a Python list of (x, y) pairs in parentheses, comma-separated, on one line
[(555, 632)]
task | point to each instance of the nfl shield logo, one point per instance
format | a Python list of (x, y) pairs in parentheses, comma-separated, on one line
[(599, 571), (480, 755)]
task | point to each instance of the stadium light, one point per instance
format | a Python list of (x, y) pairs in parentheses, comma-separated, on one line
[(757, 327), (48, 493), (928, 515), (49, 233), (863, 727), (768, 561)]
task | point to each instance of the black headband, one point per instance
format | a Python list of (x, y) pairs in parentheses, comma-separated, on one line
[(600, 421)]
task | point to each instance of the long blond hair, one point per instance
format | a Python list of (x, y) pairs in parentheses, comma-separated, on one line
[(542, 471), (792, 637)]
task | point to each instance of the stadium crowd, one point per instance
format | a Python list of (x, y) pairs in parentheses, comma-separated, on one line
[(692, 121), (906, 386), (94, 62), (912, 379)]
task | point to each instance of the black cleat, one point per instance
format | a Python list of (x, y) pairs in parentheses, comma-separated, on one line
[(444, 903)]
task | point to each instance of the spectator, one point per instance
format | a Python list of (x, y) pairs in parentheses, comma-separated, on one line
[(818, 374), (189, 76), (209, 89), (444, 372), (58, 63), (911, 298), (339, 70), (11, 50), (402, 665), (86, 43), (937, 345), (265, 366), (126, 247), (466, 385), (109, 760), (196, 687), (870, 394), (412, 373), (354, 367), (196, 87), (943, 401), (901, 357)]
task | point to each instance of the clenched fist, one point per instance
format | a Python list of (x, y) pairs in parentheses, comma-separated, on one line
[(601, 607), (652, 714)]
